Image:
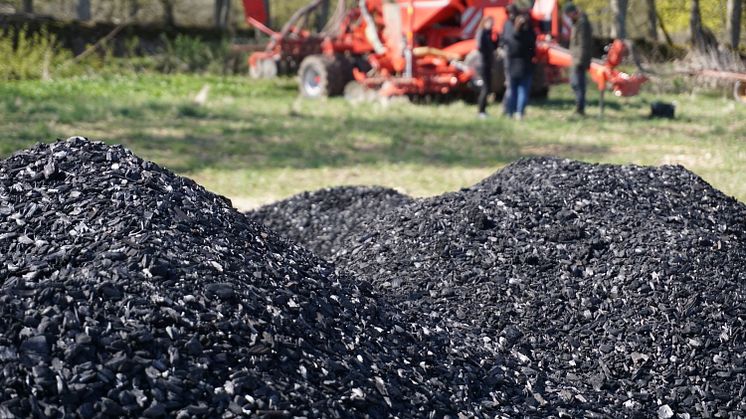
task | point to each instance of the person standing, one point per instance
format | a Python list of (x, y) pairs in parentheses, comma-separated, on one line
[(507, 33), (521, 51), (580, 49), (486, 47)]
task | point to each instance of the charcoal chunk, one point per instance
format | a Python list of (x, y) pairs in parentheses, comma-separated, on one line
[(223, 291), (36, 345)]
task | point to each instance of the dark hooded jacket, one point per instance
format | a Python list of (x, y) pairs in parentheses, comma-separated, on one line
[(486, 45), (580, 42), (520, 50)]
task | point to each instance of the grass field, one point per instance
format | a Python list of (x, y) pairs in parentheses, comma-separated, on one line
[(256, 142)]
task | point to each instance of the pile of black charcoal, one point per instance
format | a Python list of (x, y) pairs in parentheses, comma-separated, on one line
[(328, 219), (129, 291), (553, 288), (606, 291)]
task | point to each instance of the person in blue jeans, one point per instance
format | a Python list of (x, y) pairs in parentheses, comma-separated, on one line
[(521, 48), (507, 33)]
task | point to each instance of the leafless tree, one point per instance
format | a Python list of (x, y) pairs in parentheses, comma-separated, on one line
[(619, 11), (733, 24), (652, 20), (222, 13), (168, 12), (134, 8), (84, 10), (323, 16), (696, 29)]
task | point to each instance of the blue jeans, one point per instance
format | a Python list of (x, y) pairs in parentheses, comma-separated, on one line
[(520, 90), (577, 81)]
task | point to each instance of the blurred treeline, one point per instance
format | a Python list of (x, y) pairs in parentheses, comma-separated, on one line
[(62, 37), (674, 14), (184, 13)]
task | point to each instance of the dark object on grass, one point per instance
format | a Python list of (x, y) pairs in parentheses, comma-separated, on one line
[(662, 110)]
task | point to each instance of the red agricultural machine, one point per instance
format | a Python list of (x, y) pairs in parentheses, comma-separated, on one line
[(414, 48)]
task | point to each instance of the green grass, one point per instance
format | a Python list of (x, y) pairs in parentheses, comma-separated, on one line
[(257, 142)]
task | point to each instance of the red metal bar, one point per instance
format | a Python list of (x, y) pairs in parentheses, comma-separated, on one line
[(259, 25), (256, 10), (602, 73)]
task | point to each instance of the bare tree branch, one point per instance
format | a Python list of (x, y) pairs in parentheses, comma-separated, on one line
[(652, 20), (733, 23), (84, 10), (619, 11)]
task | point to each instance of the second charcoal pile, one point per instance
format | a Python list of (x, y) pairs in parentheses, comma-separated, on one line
[(613, 290)]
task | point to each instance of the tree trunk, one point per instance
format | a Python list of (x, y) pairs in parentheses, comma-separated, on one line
[(222, 13), (733, 24), (695, 27), (667, 35), (323, 16), (168, 12), (84, 9), (652, 20), (619, 11), (134, 8), (28, 6), (268, 9)]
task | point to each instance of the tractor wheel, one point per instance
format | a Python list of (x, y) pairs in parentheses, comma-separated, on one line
[(739, 91), (265, 68), (345, 65), (498, 78), (321, 76), (474, 61)]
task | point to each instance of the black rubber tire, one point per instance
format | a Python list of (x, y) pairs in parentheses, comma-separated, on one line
[(498, 78), (345, 65), (322, 76), (361, 63), (474, 60)]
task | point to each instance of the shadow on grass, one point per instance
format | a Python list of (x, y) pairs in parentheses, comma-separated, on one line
[(559, 104), (301, 142), (258, 130)]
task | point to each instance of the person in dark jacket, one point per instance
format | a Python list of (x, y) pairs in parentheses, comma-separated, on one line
[(486, 47), (507, 32), (521, 48), (580, 49)]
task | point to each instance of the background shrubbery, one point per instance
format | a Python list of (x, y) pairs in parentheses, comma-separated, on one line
[(45, 47), (39, 54), (30, 55)]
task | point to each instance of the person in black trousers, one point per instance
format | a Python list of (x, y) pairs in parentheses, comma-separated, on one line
[(486, 47)]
